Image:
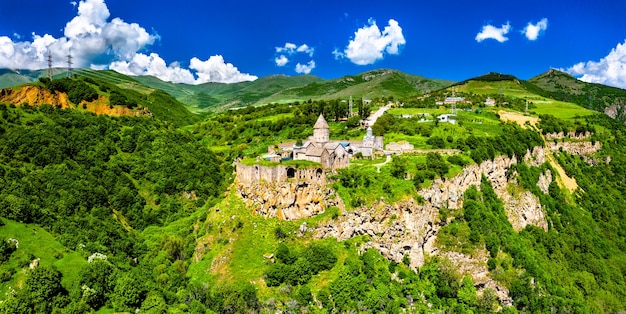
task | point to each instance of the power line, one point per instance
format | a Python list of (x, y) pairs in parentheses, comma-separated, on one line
[(69, 64), (49, 65)]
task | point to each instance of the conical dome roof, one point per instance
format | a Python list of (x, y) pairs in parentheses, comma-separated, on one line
[(321, 123)]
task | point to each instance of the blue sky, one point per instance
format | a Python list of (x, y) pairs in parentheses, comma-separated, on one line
[(197, 41)]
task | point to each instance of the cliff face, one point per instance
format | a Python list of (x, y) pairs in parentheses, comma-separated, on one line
[(285, 192), (37, 96), (34, 95), (409, 228)]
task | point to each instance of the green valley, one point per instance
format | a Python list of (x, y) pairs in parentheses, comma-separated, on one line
[(493, 194)]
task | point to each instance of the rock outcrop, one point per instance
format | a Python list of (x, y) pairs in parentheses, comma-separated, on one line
[(576, 148), (288, 200), (34, 95), (37, 96), (409, 228), (571, 135), (476, 267), (584, 149), (544, 181), (285, 192)]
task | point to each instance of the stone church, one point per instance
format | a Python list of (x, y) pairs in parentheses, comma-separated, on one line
[(319, 148), (331, 154)]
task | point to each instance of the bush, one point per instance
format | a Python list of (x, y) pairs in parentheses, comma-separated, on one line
[(457, 160), (436, 142)]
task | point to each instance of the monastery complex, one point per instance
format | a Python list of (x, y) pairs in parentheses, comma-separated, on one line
[(319, 148)]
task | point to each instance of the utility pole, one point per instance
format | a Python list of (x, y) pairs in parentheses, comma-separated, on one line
[(69, 64), (526, 106), (49, 65), (350, 107)]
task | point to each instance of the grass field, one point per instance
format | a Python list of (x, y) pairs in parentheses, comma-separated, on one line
[(239, 239), (36, 242), (562, 110), (559, 109)]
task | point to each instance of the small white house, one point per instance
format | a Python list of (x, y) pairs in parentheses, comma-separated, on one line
[(449, 117)]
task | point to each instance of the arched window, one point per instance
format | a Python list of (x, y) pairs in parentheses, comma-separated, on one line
[(291, 173)]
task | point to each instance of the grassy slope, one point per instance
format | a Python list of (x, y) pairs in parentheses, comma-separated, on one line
[(562, 86), (161, 104), (36, 242), (520, 89), (377, 83), (236, 254), (212, 96)]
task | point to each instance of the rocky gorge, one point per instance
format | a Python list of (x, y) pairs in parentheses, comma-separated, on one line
[(409, 228)]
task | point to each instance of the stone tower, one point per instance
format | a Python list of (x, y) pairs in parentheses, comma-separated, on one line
[(321, 132)]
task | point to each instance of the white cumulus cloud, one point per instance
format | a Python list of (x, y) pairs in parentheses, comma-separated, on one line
[(610, 70), (492, 32), (306, 49), (305, 68), (292, 50), (97, 42), (154, 65), (88, 36), (532, 31), (287, 48), (370, 44), (214, 69), (281, 60)]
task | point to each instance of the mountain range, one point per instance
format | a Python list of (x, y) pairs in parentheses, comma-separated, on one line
[(210, 97)]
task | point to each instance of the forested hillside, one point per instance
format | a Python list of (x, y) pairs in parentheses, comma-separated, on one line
[(138, 214), (94, 183)]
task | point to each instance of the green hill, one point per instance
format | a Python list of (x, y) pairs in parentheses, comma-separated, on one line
[(562, 86), (368, 85), (10, 78), (219, 96), (118, 90)]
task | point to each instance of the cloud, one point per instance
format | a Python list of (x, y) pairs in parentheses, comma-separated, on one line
[(306, 49), (610, 70), (492, 32), (281, 60), (288, 48), (88, 36), (214, 69), (97, 42), (292, 50), (370, 44), (305, 68), (154, 65), (533, 31)]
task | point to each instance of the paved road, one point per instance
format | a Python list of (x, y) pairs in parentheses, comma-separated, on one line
[(375, 115)]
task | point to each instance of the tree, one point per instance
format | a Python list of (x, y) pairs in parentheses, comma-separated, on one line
[(129, 292), (467, 291), (435, 162), (42, 287), (304, 295), (436, 142), (353, 121), (399, 166)]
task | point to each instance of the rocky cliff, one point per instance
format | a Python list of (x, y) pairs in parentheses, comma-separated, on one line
[(285, 192), (37, 96), (409, 228), (34, 95)]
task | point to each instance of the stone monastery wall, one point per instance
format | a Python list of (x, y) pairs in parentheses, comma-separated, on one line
[(276, 174)]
